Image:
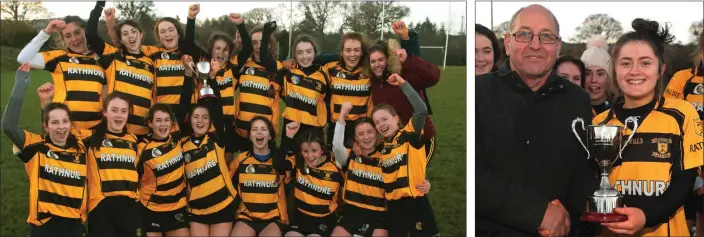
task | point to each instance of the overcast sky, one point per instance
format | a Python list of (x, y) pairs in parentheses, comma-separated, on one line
[(436, 11), (680, 15)]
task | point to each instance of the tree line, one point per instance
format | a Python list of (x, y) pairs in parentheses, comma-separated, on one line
[(362, 17)]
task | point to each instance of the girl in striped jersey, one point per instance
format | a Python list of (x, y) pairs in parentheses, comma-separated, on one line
[(162, 190), (305, 87), (317, 180), (128, 71), (211, 195), (403, 165), (263, 208), (220, 47), (259, 89), (79, 79), (55, 165), (364, 184)]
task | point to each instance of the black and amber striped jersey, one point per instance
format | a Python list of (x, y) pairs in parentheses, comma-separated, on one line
[(132, 77), (169, 74), (668, 137), (403, 163), (78, 83), (162, 183), (226, 82), (304, 95), (260, 187), (364, 183), (112, 168), (209, 188), (316, 188), (57, 177), (259, 94), (348, 86), (688, 85)]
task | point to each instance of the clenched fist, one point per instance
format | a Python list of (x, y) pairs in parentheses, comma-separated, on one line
[(345, 109), (236, 18), (109, 14), (46, 91), (395, 80), (193, 11), (292, 129), (54, 26), (400, 29)]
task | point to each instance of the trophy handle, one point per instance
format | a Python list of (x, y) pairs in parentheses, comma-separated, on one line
[(574, 129), (635, 127)]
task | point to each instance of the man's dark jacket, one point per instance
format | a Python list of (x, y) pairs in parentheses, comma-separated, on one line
[(527, 154)]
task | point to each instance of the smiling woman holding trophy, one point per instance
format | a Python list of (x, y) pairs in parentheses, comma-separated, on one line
[(649, 146)]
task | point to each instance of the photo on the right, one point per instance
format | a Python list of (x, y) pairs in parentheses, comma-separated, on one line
[(589, 118)]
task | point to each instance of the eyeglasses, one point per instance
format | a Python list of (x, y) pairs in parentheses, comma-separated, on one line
[(545, 38)]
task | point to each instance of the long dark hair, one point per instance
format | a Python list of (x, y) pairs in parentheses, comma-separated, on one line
[(482, 30), (162, 108), (177, 25), (309, 135), (652, 34), (221, 36), (272, 133), (577, 62), (352, 36), (102, 127)]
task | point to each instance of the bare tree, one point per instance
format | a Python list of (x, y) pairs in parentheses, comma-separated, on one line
[(365, 17), (23, 11), (135, 9), (502, 29), (258, 16), (318, 16), (596, 24)]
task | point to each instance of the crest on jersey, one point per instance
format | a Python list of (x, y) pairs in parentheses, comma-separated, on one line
[(662, 148), (699, 89), (327, 176), (698, 126), (107, 143), (164, 55), (295, 79), (250, 71), (51, 154), (323, 227), (156, 152), (306, 170), (419, 226), (358, 159), (73, 60), (127, 62), (187, 157), (249, 169), (129, 145), (179, 217), (340, 75), (76, 159)]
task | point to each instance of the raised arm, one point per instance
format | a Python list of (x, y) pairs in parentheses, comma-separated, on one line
[(281, 164), (93, 39), (189, 43), (264, 56), (110, 24), (420, 112), (338, 140), (245, 40), (11, 117), (30, 52), (409, 40)]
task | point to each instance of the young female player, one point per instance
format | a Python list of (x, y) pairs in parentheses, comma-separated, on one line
[(666, 149), (79, 79), (263, 208), (55, 164), (128, 71), (403, 165)]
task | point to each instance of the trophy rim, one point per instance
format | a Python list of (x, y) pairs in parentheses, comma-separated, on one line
[(204, 65), (606, 125)]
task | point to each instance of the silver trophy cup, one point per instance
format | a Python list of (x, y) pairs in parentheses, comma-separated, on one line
[(203, 71), (605, 144)]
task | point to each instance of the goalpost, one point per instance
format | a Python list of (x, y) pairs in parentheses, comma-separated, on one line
[(447, 37)]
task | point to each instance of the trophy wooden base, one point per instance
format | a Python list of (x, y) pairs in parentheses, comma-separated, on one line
[(602, 217), (207, 96)]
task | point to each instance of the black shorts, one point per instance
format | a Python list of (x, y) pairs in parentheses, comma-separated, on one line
[(308, 225), (114, 216), (360, 221), (226, 215), (411, 215), (258, 226), (153, 221), (58, 226), (429, 149)]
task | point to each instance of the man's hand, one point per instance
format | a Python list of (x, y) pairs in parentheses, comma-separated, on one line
[(193, 11), (556, 221), (54, 26), (400, 29), (236, 18)]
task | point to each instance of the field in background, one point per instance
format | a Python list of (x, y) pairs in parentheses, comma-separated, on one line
[(447, 175)]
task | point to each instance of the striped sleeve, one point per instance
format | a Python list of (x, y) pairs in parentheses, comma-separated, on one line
[(51, 59), (31, 145)]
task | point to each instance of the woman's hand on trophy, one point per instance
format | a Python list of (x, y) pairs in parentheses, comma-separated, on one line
[(214, 67), (187, 60), (634, 224)]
